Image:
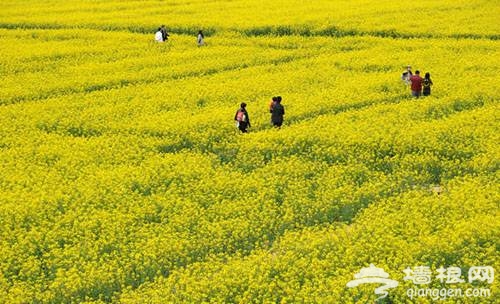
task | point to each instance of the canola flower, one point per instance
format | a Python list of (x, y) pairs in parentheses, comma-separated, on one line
[(123, 179)]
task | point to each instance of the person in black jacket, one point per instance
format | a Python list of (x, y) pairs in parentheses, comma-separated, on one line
[(277, 113), (242, 118), (164, 33), (426, 85)]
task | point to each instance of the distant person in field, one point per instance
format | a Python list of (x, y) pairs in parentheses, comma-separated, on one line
[(277, 113), (242, 118), (407, 73), (426, 84), (159, 35), (164, 33), (200, 39), (416, 84), (271, 105)]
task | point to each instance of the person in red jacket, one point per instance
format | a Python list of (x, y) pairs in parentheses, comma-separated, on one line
[(416, 84)]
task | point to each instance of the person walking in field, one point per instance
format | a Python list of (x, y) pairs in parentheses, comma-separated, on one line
[(271, 106), (200, 39), (164, 33), (277, 113), (406, 75), (159, 35), (426, 84), (416, 84), (242, 118)]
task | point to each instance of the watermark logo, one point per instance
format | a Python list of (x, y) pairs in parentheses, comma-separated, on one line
[(423, 275), (371, 275), (482, 273)]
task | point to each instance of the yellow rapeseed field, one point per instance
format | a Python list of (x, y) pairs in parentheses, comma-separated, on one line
[(124, 180)]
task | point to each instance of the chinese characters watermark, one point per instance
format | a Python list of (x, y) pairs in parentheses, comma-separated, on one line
[(423, 275)]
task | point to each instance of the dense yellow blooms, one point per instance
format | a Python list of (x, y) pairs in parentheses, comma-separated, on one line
[(124, 180)]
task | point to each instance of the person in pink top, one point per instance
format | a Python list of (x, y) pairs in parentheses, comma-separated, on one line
[(416, 84)]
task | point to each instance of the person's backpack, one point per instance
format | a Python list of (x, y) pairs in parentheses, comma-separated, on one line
[(426, 83), (271, 105), (240, 116)]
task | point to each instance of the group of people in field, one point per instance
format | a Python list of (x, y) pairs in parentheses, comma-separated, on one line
[(276, 109), (161, 35), (419, 86)]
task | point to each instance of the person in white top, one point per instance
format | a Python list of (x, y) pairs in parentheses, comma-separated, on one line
[(406, 75), (200, 38), (159, 36)]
